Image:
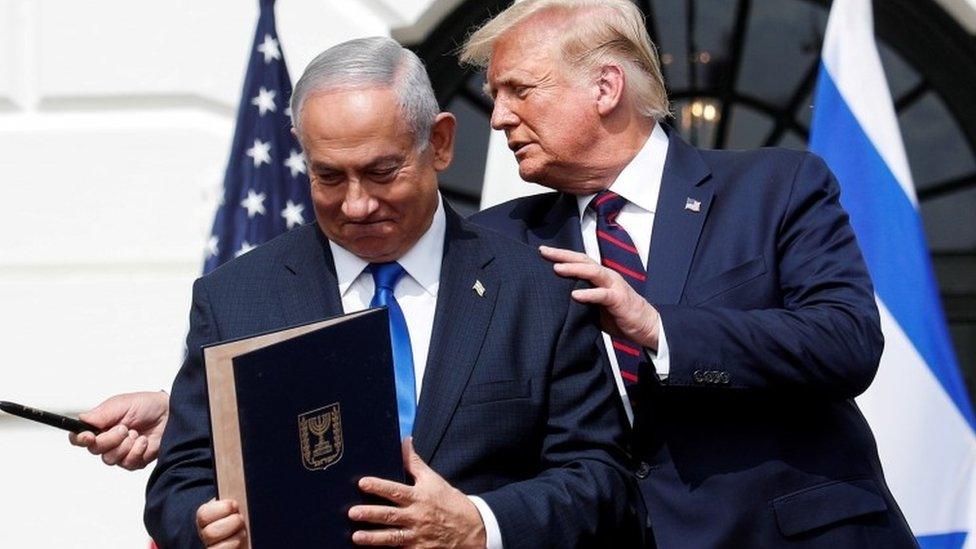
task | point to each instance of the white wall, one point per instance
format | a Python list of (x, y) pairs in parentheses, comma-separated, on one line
[(115, 124)]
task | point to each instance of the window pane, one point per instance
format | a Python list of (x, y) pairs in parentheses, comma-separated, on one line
[(937, 150), (804, 112), (697, 119), (948, 222), (793, 140), (901, 77), (782, 42), (714, 21), (748, 128), (671, 17)]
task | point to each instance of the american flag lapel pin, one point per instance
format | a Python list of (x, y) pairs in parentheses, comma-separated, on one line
[(479, 288), (692, 205)]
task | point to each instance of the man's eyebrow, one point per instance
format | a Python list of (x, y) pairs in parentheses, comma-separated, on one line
[(320, 166), (387, 159), (503, 81), (509, 79)]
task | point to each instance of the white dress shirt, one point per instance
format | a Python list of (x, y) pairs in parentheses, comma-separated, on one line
[(640, 184), (416, 293)]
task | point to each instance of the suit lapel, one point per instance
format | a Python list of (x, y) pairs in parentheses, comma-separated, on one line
[(676, 228), (308, 289), (560, 227), (461, 321), (678, 221)]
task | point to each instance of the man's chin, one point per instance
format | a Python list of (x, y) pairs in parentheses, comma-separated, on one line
[(537, 175), (376, 256), (371, 249)]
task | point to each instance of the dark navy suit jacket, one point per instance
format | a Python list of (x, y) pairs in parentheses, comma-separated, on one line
[(516, 405), (754, 440)]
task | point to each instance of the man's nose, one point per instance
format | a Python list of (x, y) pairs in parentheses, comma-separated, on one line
[(502, 117), (358, 204)]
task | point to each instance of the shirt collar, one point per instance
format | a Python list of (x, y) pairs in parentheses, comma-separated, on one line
[(422, 262), (640, 181)]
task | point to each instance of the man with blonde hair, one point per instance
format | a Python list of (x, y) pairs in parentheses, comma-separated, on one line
[(741, 332)]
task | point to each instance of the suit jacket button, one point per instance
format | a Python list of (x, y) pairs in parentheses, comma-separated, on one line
[(697, 376), (643, 470), (725, 378)]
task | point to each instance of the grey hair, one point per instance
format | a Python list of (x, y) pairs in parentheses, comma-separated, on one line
[(377, 61), (603, 31)]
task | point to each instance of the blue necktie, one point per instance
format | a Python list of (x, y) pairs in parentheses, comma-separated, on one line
[(617, 252), (385, 278)]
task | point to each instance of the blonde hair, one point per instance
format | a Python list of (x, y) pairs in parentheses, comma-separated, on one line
[(616, 34)]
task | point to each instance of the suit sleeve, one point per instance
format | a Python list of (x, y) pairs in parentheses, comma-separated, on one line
[(184, 477), (825, 337), (583, 495)]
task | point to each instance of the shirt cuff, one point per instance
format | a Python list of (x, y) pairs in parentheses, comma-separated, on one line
[(662, 358), (493, 534)]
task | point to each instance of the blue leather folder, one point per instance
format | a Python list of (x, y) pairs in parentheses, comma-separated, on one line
[(314, 407)]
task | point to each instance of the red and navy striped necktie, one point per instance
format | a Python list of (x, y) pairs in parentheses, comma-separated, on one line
[(617, 252)]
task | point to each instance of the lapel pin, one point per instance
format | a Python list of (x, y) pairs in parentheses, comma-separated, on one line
[(479, 288), (692, 204)]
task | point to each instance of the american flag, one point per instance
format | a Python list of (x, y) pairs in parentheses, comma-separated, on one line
[(266, 190)]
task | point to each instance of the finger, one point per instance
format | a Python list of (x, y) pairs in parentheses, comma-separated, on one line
[(380, 514), (108, 440), (406, 448), (108, 413), (234, 542), (401, 494), (213, 510), (561, 255), (395, 538), (152, 449), (117, 454), (412, 462), (135, 458), (222, 529), (595, 274), (84, 438), (593, 296)]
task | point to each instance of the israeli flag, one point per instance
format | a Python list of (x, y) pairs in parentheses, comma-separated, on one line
[(917, 405)]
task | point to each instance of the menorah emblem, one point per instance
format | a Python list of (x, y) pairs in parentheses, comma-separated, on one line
[(319, 425), (325, 426)]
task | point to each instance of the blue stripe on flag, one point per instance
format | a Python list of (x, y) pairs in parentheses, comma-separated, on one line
[(955, 540), (889, 232)]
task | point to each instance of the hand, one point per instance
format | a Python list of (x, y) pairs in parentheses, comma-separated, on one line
[(623, 312), (220, 524), (132, 425), (431, 513)]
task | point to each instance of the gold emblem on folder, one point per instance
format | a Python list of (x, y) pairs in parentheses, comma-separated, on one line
[(320, 432)]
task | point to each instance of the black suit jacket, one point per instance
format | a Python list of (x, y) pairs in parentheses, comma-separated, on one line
[(769, 313), (515, 407)]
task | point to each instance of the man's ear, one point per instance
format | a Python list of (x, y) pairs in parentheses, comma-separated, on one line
[(610, 88), (442, 140)]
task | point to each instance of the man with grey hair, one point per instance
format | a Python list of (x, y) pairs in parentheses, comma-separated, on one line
[(740, 334), (512, 435)]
